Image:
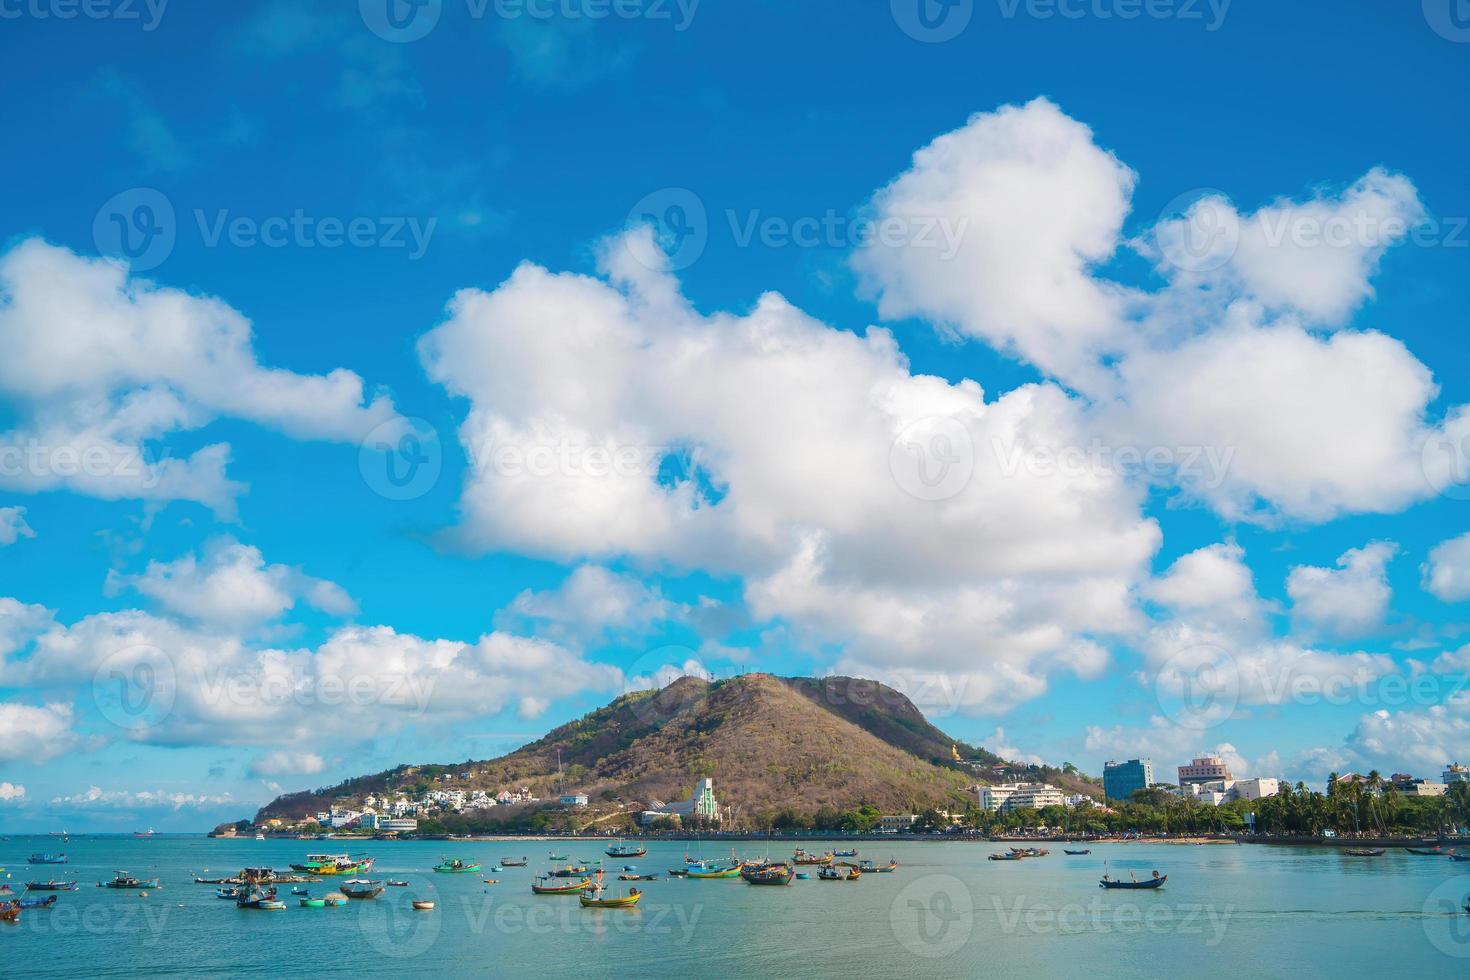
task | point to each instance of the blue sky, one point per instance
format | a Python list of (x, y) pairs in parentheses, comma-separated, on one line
[(245, 247)]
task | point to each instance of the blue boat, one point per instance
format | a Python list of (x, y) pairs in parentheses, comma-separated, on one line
[(36, 903), (1156, 881), (46, 859)]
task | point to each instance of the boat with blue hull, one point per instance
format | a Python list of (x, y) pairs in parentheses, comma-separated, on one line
[(46, 859)]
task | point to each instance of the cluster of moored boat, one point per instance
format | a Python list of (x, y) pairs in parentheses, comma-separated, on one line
[(1156, 880)]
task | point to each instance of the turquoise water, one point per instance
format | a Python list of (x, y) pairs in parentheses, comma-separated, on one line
[(947, 911)]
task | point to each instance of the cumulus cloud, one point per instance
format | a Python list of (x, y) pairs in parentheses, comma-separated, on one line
[(1227, 358), (100, 367), (1349, 599), (163, 682), (96, 798), (608, 419), (13, 525), (232, 587), (35, 734), (591, 603), (12, 793), (1447, 572), (284, 762)]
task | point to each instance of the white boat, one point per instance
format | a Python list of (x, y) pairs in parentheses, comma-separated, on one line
[(259, 835)]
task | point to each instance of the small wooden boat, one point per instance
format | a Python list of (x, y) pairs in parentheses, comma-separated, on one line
[(334, 900), (254, 898), (593, 899), (1426, 851), (36, 903), (830, 874), (1459, 857), (125, 880), (637, 877), (569, 871), (394, 883), (1076, 853), (362, 888), (513, 862), (52, 886), (1007, 856), (1157, 881), (46, 859), (314, 903), (621, 850), (298, 890), (456, 867), (557, 857), (774, 874), (708, 871), (228, 894), (850, 853), (1364, 852), (422, 905), (9, 912), (804, 857), (803, 875), (545, 885)]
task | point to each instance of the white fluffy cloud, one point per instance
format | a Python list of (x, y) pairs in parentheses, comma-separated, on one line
[(1349, 599), (1447, 572), (1214, 582), (233, 587), (96, 798), (34, 734), (11, 793), (284, 762), (1227, 357), (155, 680), (591, 603), (13, 525), (101, 367), (609, 419)]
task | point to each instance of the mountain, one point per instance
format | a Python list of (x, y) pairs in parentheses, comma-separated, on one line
[(771, 744)]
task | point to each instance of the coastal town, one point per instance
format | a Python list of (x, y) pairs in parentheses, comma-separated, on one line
[(1204, 785)]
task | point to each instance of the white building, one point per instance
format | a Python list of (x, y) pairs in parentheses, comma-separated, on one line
[(574, 799), (1254, 789), (400, 825), (1013, 796), (701, 804), (1456, 773), (896, 823)]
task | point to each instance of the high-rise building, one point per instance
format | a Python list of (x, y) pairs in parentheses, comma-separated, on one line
[(1122, 779), (1204, 769)]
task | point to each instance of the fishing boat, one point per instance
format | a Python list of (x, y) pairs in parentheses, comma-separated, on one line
[(1364, 852), (264, 901), (625, 876), (557, 857), (9, 911), (621, 850), (772, 874), (593, 898), (1157, 881), (1076, 853), (308, 902), (52, 886), (836, 874), (36, 903), (422, 905), (513, 862), (569, 871), (868, 867), (394, 883), (1460, 856), (702, 870), (46, 859), (125, 880), (334, 864), (547, 885), (362, 888), (1007, 856), (802, 857), (852, 853), (456, 867), (1031, 852), (1426, 851), (228, 894)]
